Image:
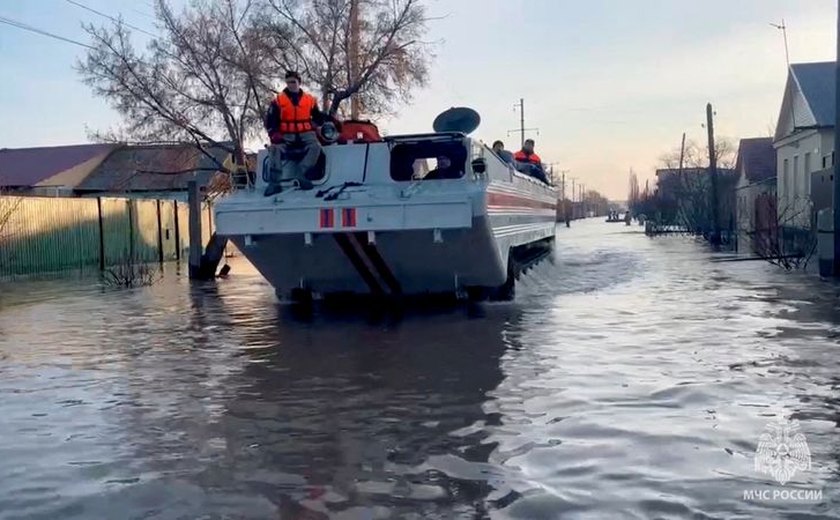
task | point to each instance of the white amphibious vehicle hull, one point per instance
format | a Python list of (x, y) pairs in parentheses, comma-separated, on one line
[(361, 232)]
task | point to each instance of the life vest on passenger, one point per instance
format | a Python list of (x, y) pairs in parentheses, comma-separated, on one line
[(296, 119), (359, 131), (523, 157)]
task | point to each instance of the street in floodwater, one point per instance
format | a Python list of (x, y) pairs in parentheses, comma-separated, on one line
[(632, 378)]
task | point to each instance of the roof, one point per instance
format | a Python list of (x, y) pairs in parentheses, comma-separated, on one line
[(153, 168), (817, 82), (757, 158), (27, 167)]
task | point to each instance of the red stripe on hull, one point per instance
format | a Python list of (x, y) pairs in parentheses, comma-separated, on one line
[(506, 200), (327, 218)]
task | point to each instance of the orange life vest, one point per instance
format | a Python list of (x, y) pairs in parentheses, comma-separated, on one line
[(532, 158), (296, 119)]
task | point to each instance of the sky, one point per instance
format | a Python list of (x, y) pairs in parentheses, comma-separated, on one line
[(610, 84)]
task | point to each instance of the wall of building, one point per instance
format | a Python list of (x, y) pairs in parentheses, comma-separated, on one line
[(43, 235), (798, 157)]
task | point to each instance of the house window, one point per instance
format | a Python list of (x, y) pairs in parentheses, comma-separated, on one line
[(786, 181), (796, 178), (807, 167)]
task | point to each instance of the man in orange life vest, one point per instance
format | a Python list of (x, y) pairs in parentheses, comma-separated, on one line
[(290, 122), (531, 162)]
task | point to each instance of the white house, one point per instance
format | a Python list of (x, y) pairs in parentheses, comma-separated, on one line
[(804, 139), (756, 169)]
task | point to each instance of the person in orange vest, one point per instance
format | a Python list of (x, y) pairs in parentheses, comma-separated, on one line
[(531, 162), (290, 122)]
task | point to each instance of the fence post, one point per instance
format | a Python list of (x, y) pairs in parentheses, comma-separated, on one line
[(177, 232), (130, 204), (195, 230), (160, 233), (101, 235)]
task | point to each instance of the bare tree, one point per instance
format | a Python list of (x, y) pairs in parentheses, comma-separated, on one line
[(9, 204), (633, 195), (376, 55), (199, 81), (130, 272), (784, 236), (697, 156)]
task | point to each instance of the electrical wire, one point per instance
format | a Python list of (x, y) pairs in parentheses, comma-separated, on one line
[(104, 15), (26, 27)]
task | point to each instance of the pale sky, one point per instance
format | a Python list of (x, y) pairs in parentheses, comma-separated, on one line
[(611, 84)]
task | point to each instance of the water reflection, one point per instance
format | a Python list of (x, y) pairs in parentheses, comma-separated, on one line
[(213, 399)]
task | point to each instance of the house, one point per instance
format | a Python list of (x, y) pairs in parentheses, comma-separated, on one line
[(154, 171), (804, 139), (755, 192), (49, 171)]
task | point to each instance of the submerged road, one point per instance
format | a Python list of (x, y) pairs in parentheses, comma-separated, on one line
[(632, 378)]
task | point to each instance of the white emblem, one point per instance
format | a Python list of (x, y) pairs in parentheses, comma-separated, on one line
[(782, 451)]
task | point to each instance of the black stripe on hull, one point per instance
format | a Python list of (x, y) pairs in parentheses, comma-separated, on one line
[(351, 254), (380, 264)]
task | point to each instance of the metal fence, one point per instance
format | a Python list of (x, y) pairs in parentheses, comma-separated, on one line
[(44, 235)]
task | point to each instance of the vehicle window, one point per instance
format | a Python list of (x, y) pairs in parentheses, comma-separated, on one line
[(428, 160)]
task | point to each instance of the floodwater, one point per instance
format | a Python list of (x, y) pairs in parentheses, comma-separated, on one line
[(632, 378)]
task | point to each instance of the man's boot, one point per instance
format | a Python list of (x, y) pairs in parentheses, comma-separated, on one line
[(273, 189)]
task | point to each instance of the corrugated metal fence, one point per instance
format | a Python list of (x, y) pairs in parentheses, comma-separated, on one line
[(42, 235)]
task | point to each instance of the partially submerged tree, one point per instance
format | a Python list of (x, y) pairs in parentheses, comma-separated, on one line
[(783, 234), (369, 50), (199, 81), (684, 189)]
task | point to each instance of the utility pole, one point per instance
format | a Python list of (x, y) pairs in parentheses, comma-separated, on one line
[(566, 208), (563, 185), (715, 238), (353, 51), (783, 28), (835, 155), (522, 129), (682, 165), (583, 201)]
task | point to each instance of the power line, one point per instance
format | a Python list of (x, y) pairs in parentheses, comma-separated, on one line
[(26, 27), (115, 20)]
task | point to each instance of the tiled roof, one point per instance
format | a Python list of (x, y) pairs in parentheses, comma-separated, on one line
[(757, 158), (816, 82)]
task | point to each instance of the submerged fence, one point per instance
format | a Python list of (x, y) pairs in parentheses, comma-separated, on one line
[(44, 235)]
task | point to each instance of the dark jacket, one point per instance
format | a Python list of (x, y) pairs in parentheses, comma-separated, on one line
[(272, 115)]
